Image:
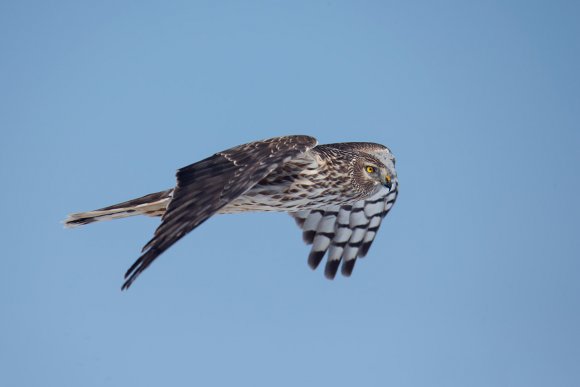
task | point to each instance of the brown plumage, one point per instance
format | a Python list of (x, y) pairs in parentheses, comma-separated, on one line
[(338, 194)]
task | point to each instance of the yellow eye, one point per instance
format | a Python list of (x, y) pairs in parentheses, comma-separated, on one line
[(370, 169)]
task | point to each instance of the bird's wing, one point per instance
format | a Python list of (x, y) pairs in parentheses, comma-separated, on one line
[(205, 187), (346, 232)]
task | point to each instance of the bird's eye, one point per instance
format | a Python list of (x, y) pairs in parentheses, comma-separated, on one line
[(370, 169)]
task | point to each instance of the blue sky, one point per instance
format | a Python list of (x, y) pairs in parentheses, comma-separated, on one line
[(473, 278)]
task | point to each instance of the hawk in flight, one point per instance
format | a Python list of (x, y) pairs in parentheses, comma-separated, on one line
[(337, 193)]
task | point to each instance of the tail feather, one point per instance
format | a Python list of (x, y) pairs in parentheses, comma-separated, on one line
[(153, 204)]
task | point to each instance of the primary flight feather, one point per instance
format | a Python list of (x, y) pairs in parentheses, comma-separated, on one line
[(337, 193)]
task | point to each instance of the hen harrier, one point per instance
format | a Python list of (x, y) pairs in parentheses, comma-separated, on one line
[(337, 193)]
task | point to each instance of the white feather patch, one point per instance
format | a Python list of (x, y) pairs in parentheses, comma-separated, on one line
[(312, 221), (357, 219), (374, 208), (320, 243)]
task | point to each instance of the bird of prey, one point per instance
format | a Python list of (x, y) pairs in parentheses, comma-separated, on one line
[(337, 193)]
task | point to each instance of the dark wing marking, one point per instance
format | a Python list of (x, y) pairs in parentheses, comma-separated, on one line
[(344, 232), (207, 186)]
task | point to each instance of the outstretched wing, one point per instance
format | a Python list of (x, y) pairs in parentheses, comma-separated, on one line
[(345, 232), (207, 186)]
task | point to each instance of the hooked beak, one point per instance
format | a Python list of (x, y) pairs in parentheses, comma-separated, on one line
[(387, 181)]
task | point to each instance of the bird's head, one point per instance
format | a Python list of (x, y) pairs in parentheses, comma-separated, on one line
[(371, 174)]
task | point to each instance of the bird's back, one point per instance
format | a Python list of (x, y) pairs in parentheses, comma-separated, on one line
[(315, 179)]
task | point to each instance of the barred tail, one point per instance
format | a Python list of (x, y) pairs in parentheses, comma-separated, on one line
[(153, 204)]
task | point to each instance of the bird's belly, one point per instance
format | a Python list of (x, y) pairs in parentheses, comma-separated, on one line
[(259, 204), (257, 200)]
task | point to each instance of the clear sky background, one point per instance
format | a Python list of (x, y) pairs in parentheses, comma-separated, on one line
[(474, 279)]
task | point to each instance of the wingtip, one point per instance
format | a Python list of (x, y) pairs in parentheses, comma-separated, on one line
[(331, 268), (347, 267), (314, 259), (147, 246), (365, 249), (126, 285), (130, 277), (308, 236), (132, 273)]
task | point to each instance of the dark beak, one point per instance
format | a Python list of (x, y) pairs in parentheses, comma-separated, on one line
[(387, 182)]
